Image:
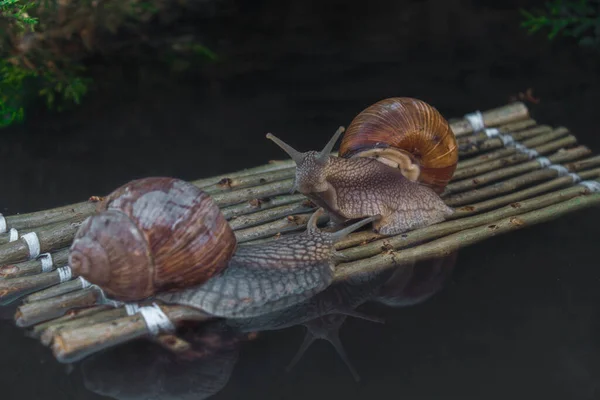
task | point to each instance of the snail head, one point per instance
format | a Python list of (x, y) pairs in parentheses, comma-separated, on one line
[(311, 166)]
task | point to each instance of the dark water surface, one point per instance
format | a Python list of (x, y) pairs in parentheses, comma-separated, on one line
[(519, 316)]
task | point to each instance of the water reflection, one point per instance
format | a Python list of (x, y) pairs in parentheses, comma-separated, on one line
[(143, 370), (7, 311)]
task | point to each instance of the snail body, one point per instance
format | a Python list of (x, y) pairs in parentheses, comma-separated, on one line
[(267, 277), (395, 159), (163, 238)]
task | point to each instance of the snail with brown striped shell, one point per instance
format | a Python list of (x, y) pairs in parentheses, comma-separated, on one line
[(163, 238), (395, 158)]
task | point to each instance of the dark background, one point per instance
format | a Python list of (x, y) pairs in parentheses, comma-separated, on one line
[(520, 318)]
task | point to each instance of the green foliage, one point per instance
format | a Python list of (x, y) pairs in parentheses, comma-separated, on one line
[(44, 45), (578, 19), (17, 11)]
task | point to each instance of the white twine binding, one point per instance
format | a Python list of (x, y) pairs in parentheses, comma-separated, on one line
[(562, 171), (13, 235), (575, 178), (507, 140), (526, 150), (132, 308), (544, 162), (592, 186), (492, 132), (84, 283), (156, 320), (476, 121), (47, 262), (33, 243), (2, 224), (65, 274)]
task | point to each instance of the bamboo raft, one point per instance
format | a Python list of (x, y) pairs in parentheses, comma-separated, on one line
[(512, 173)]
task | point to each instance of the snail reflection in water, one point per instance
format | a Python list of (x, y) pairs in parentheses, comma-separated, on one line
[(395, 158), (144, 371), (324, 313)]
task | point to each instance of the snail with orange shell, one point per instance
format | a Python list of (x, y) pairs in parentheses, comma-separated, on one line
[(395, 159)]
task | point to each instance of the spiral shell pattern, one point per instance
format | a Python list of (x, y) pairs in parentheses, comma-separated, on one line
[(410, 126), (153, 235)]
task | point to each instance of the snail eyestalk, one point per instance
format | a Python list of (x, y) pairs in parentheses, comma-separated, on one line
[(342, 233), (329, 146), (293, 153), (311, 226)]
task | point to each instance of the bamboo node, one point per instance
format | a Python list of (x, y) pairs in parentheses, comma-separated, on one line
[(387, 246), (8, 270), (225, 183), (257, 202), (516, 221)]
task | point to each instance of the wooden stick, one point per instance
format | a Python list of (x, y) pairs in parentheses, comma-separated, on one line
[(73, 212), (493, 176), (445, 246), (35, 312), (272, 165), (248, 207), (491, 118), (228, 184), (51, 237), (33, 267), (504, 152), (56, 290), (509, 127), (70, 316), (517, 158), (290, 223), (13, 289), (503, 187), (471, 148), (261, 217), (545, 187), (75, 318), (74, 344)]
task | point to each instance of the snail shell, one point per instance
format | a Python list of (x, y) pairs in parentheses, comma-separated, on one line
[(408, 134), (152, 235)]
